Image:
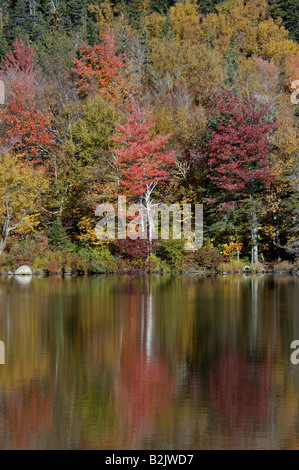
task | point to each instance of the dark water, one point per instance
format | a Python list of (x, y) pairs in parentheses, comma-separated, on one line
[(149, 363)]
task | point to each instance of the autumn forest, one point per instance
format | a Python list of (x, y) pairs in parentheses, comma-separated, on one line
[(188, 102)]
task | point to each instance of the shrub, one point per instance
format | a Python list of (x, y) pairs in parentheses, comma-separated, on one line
[(208, 257), (172, 252), (135, 254), (23, 251), (284, 265), (233, 266)]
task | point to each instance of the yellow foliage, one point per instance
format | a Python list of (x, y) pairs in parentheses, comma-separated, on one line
[(141, 5), (154, 25), (231, 249), (186, 126), (21, 188), (104, 13), (257, 33), (184, 20), (195, 65), (87, 232)]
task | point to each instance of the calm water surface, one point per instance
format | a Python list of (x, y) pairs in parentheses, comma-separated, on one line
[(149, 363)]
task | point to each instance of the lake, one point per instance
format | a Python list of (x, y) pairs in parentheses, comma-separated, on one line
[(162, 362)]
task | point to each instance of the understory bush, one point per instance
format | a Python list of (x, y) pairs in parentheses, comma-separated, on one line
[(207, 257), (233, 266)]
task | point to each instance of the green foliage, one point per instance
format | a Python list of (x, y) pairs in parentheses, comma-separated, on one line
[(231, 65), (207, 257), (232, 266), (57, 234), (289, 12), (172, 252), (89, 135)]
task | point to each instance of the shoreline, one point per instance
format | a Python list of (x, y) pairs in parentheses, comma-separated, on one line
[(192, 272)]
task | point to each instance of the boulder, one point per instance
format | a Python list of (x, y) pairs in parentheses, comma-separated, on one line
[(23, 271)]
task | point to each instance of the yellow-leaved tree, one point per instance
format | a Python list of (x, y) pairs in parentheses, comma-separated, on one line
[(184, 20), (257, 33), (21, 188)]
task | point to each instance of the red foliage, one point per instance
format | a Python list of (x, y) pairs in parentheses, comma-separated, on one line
[(100, 70), (140, 159), (20, 59), (135, 253), (27, 130), (239, 390), (239, 149), (24, 128)]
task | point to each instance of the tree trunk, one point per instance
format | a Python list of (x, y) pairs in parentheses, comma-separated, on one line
[(2, 244), (276, 236), (254, 233), (4, 236)]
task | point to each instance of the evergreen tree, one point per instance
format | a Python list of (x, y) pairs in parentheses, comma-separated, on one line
[(57, 234), (231, 64), (207, 6), (76, 11), (161, 6), (288, 10)]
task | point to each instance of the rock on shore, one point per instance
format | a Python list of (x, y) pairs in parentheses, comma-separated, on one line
[(23, 271)]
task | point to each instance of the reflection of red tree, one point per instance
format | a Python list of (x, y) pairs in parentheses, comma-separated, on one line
[(239, 391), (143, 389), (144, 383), (28, 414)]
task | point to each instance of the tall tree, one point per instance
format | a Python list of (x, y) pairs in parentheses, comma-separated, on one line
[(140, 160), (21, 188), (100, 71), (238, 154), (25, 129)]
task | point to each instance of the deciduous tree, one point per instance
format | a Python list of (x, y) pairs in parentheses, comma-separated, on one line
[(238, 153), (21, 188), (100, 70), (141, 161)]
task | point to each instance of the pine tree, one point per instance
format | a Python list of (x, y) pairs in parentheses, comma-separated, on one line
[(288, 10), (231, 64), (57, 234)]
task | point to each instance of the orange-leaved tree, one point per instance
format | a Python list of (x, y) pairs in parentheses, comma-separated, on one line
[(100, 71), (140, 159), (25, 128)]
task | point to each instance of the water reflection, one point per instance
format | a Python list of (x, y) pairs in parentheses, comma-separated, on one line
[(23, 280), (162, 362)]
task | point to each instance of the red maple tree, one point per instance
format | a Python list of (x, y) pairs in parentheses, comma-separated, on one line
[(239, 148), (141, 162), (239, 151), (140, 159), (100, 71), (25, 129), (20, 59)]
